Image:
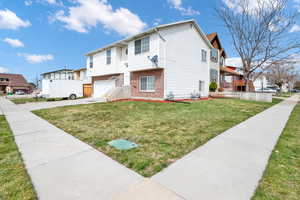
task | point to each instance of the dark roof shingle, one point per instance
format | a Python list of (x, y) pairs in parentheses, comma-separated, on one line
[(15, 80)]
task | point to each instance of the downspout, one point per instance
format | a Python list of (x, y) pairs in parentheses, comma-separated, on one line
[(164, 40), (165, 57)]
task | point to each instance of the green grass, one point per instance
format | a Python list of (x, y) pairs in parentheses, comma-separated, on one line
[(284, 94), (27, 100), (14, 181), (164, 131), (281, 180)]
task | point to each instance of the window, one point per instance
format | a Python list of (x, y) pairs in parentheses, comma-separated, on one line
[(213, 75), (222, 61), (91, 62), (142, 45), (201, 86), (108, 57), (204, 55), (126, 51), (214, 55), (147, 83)]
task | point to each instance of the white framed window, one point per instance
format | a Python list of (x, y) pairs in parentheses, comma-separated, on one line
[(204, 55), (201, 86), (214, 75), (108, 57), (147, 83), (214, 55), (222, 61), (91, 61), (142, 45)]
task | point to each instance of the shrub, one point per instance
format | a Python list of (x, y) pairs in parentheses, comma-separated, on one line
[(213, 86)]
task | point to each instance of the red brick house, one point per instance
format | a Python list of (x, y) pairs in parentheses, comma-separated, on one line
[(11, 83)]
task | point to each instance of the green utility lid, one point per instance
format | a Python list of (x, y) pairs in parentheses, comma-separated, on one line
[(122, 144)]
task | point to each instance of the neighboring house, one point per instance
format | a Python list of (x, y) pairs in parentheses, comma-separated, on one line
[(168, 60), (62, 74), (81, 74), (66, 83), (217, 53), (261, 82), (11, 83)]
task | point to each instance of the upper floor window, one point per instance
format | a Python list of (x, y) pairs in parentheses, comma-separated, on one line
[(214, 55), (204, 55), (91, 62), (142, 45), (126, 51), (222, 61), (108, 57)]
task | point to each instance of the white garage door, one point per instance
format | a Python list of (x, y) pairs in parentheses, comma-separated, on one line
[(102, 87)]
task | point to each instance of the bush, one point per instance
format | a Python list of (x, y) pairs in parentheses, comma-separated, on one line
[(213, 86)]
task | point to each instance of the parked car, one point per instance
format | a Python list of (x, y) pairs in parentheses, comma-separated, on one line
[(267, 90), (20, 92), (295, 90)]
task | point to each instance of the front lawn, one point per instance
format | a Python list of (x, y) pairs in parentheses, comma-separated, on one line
[(284, 94), (164, 131), (27, 100), (281, 179), (14, 181)]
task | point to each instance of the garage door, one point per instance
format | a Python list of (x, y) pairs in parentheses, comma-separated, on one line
[(102, 87), (87, 90)]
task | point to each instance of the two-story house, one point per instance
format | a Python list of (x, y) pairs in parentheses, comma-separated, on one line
[(167, 60)]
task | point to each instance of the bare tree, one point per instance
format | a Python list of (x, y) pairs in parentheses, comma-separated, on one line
[(259, 30), (282, 73)]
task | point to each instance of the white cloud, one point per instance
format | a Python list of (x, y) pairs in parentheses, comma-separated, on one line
[(36, 58), (28, 3), (9, 20), (53, 2), (3, 70), (295, 28), (87, 14), (13, 42), (234, 61), (157, 21), (177, 4)]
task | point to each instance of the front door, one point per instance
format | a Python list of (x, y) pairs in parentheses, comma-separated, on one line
[(87, 90)]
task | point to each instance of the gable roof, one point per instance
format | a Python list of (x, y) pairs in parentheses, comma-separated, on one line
[(152, 30), (212, 37), (15, 80)]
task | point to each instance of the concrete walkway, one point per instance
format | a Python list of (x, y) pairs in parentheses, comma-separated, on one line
[(229, 166), (62, 167)]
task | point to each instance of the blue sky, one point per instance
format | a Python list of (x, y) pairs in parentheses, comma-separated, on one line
[(37, 36)]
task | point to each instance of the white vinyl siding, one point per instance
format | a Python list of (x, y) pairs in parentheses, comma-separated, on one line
[(142, 45), (147, 83)]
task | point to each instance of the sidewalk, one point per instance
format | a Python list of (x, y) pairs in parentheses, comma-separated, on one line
[(61, 166), (229, 166)]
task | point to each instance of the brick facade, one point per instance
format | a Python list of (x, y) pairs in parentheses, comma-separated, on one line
[(159, 83)]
